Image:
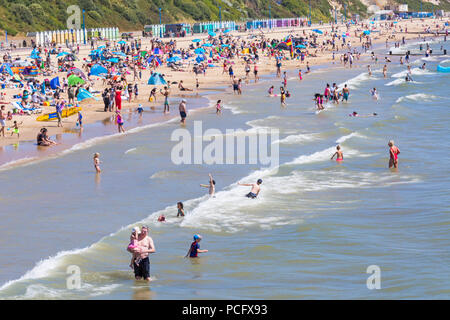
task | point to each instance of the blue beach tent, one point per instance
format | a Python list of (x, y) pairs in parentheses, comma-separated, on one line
[(97, 70), (156, 79), (54, 83), (84, 94)]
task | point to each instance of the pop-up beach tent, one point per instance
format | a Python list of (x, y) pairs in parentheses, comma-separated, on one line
[(54, 83), (97, 70), (156, 79), (84, 94)]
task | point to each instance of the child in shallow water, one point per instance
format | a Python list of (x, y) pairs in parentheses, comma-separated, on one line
[(180, 209), (135, 258)]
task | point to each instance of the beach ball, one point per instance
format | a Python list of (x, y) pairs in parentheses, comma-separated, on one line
[(46, 103)]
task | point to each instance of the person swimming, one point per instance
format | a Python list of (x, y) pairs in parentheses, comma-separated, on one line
[(356, 114), (255, 188)]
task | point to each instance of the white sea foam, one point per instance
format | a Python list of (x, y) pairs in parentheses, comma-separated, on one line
[(298, 139), (130, 150), (414, 71), (401, 81), (418, 97), (353, 83)]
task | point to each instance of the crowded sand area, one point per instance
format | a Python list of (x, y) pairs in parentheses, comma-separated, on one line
[(214, 77)]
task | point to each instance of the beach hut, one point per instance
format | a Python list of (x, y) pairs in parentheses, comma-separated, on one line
[(156, 79)]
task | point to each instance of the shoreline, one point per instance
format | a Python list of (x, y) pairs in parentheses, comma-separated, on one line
[(95, 114)]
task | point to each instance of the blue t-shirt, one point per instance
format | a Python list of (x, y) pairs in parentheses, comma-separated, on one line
[(194, 247)]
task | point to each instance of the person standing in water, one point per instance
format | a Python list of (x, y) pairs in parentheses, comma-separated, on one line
[(385, 71), (345, 93), (144, 247), (218, 107), (194, 250), (339, 155), (166, 99), (97, 162), (182, 109), (119, 121), (180, 209), (369, 70), (393, 154), (211, 186), (255, 188)]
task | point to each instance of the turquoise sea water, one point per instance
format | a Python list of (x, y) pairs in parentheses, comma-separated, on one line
[(312, 232)]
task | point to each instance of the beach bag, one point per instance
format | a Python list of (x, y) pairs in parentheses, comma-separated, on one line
[(150, 99)]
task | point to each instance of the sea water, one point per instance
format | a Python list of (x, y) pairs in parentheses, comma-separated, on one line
[(312, 233)]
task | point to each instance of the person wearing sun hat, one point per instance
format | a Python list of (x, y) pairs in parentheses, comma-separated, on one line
[(194, 250)]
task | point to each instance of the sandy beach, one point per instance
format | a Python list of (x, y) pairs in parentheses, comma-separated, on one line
[(214, 78)]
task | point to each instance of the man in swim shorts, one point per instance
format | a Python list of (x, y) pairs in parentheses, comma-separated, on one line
[(255, 188), (144, 247), (345, 94), (182, 109)]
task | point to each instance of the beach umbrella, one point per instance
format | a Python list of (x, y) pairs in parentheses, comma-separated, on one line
[(211, 65), (317, 31), (156, 79), (226, 30), (62, 54), (113, 60), (301, 46), (73, 80), (366, 32), (77, 72), (102, 47), (199, 50), (212, 34), (97, 70), (156, 51), (207, 45), (121, 42), (196, 40), (225, 45), (84, 94), (118, 53)]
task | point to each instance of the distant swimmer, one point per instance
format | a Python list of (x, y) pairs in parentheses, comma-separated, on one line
[(339, 155), (369, 70), (194, 250), (97, 162), (408, 78), (180, 209), (356, 114), (161, 218), (423, 66), (300, 74), (393, 154), (270, 91), (211, 186), (385, 71), (255, 188)]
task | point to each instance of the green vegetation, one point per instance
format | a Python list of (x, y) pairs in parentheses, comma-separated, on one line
[(34, 15)]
